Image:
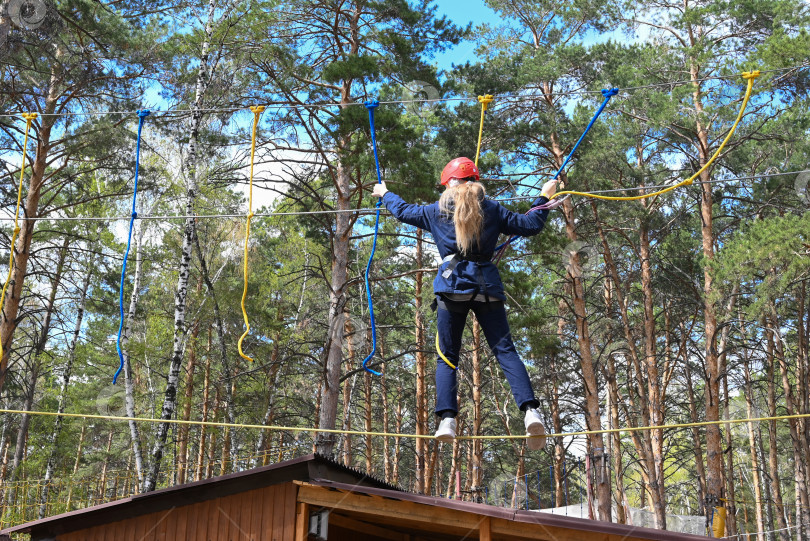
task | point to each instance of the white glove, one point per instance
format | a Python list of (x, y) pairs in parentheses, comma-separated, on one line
[(549, 189), (379, 189)]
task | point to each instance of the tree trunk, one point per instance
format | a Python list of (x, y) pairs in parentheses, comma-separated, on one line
[(25, 421), (76, 465), (773, 457), (129, 382), (386, 423), (223, 347), (796, 436), (752, 445), (589, 379), (22, 249), (367, 414), (642, 441), (476, 473), (337, 300), (189, 233), (66, 373), (397, 440), (422, 413), (731, 505), (263, 445), (556, 417), (654, 399), (204, 418), (212, 438), (39, 349), (615, 440), (348, 389), (714, 451), (697, 443), (182, 435), (103, 481)]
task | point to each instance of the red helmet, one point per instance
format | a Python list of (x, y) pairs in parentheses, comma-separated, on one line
[(459, 168)]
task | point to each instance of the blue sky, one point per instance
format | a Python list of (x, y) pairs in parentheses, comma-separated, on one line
[(462, 12)]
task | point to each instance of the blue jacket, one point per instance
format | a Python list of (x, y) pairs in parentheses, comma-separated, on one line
[(481, 275)]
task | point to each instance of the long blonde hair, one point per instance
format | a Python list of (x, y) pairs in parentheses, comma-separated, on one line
[(463, 203)]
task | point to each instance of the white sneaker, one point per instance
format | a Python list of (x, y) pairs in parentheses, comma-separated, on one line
[(447, 430), (534, 427)]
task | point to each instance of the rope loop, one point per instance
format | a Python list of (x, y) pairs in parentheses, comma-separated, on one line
[(257, 110), (142, 114), (750, 74), (371, 105), (609, 92)]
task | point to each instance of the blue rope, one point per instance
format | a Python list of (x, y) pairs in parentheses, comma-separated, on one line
[(607, 93), (141, 117), (371, 105)]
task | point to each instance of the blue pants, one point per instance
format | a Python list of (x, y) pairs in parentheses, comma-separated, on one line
[(492, 317)]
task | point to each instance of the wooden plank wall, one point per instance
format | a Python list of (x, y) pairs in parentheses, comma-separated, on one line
[(265, 514)]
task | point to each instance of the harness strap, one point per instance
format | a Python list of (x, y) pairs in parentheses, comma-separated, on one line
[(452, 261)]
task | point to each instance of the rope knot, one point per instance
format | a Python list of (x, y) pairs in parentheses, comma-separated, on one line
[(143, 113), (134, 215), (17, 230), (609, 92), (250, 215), (29, 116), (750, 74), (485, 100), (257, 109), (372, 104)]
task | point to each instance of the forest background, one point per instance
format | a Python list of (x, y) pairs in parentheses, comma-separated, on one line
[(686, 307)]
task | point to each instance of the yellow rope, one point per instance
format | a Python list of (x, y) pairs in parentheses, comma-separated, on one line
[(749, 77), (29, 118), (439, 350), (399, 435), (257, 111), (484, 101)]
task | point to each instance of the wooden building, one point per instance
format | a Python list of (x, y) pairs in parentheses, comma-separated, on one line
[(313, 498)]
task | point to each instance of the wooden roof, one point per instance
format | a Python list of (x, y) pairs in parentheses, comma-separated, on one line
[(306, 468), (360, 506)]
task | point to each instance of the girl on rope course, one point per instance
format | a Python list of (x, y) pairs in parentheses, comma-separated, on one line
[(465, 227)]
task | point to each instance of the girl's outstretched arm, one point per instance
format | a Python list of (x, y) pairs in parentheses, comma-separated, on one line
[(409, 213)]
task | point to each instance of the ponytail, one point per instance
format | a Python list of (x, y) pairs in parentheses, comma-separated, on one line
[(463, 203)]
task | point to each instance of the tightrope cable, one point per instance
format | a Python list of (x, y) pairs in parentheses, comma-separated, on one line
[(361, 211), (152, 420), (371, 105), (142, 114), (257, 111), (29, 118), (516, 97)]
